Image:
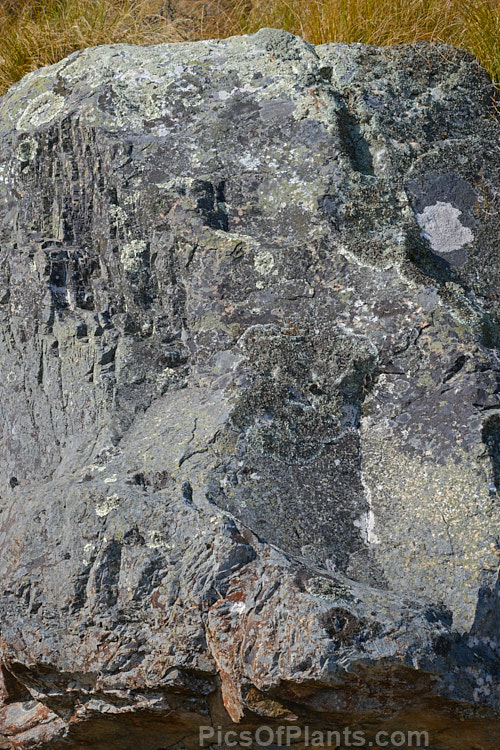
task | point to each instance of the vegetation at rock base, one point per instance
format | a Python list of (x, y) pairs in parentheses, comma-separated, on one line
[(41, 32)]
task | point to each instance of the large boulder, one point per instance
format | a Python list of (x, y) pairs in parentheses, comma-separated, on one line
[(250, 422)]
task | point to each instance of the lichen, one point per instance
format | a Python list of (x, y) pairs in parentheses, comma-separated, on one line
[(442, 227), (40, 111), (132, 256), (108, 504), (27, 149), (264, 262), (328, 589)]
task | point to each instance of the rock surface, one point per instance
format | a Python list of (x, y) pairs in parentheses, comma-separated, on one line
[(250, 422)]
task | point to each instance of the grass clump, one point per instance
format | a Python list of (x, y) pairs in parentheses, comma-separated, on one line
[(41, 32), (473, 25)]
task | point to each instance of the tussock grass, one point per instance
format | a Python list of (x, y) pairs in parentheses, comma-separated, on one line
[(40, 32), (471, 24), (377, 22), (34, 33), (481, 33)]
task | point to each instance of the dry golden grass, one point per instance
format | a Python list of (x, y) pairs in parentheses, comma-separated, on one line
[(40, 32), (377, 22), (471, 24), (481, 33)]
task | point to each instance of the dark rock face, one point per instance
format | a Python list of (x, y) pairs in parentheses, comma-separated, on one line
[(250, 423)]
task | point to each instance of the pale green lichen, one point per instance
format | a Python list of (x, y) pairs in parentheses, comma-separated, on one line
[(40, 111), (324, 588), (264, 262), (156, 540), (136, 82), (277, 193), (132, 255), (209, 322), (107, 505), (27, 149), (118, 216), (435, 521)]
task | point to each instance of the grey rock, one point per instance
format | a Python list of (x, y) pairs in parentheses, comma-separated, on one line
[(250, 423)]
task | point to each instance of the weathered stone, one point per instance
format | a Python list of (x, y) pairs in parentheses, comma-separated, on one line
[(249, 302)]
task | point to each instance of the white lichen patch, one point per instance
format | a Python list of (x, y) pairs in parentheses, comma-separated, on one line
[(442, 227), (177, 183), (118, 216), (156, 540), (107, 505), (249, 161), (88, 552), (132, 255), (264, 262), (381, 161), (366, 524), (40, 111)]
